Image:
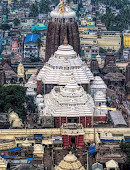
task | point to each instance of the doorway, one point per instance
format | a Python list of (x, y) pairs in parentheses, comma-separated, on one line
[(72, 120), (72, 141)]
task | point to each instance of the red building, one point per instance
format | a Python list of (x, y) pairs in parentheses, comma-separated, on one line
[(72, 134)]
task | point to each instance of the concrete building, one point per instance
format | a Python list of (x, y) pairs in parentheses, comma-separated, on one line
[(30, 46), (109, 40), (126, 40)]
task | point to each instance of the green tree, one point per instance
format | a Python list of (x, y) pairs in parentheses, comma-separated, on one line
[(34, 11), (45, 6), (5, 11), (13, 97), (4, 27), (16, 21)]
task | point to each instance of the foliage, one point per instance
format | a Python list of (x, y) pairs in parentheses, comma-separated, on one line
[(44, 6), (4, 27), (34, 11), (116, 3), (102, 50), (13, 97), (119, 22), (16, 21), (5, 11)]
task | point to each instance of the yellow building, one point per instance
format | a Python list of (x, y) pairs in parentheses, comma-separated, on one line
[(109, 40), (126, 40)]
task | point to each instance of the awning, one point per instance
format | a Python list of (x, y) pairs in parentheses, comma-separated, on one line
[(15, 149), (38, 136), (30, 159), (8, 157)]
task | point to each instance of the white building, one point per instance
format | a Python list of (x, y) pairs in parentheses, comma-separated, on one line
[(98, 85)]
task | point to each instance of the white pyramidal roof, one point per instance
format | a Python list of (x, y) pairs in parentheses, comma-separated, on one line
[(62, 65), (63, 11), (98, 83), (70, 100), (101, 111), (30, 91), (100, 96), (32, 82)]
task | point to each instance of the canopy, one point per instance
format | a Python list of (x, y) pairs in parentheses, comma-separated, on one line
[(8, 157), (30, 159), (15, 149)]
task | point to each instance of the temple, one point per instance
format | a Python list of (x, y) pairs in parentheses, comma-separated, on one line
[(61, 25), (69, 162), (71, 104), (60, 67)]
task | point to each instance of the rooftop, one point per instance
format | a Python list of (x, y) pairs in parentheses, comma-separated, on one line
[(31, 38)]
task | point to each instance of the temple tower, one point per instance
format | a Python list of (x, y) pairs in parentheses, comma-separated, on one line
[(61, 25), (20, 73)]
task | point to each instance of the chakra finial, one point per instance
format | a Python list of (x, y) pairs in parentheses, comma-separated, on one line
[(65, 41)]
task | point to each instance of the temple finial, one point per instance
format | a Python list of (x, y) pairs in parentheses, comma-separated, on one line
[(65, 41)]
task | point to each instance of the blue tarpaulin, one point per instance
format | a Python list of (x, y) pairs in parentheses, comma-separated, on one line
[(109, 140), (38, 136), (127, 139), (57, 139), (91, 147), (91, 152), (8, 157), (31, 38), (15, 149), (30, 159)]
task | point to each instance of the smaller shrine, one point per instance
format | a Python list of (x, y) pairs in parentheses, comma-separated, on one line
[(20, 73), (70, 162), (3, 164), (98, 85)]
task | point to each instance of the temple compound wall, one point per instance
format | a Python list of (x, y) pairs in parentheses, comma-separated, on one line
[(89, 133)]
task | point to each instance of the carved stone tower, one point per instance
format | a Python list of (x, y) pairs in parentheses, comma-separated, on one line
[(61, 25)]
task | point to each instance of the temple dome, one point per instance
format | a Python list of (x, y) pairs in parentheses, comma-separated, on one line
[(100, 96), (61, 65), (62, 11), (39, 99), (70, 100), (13, 116), (3, 163), (98, 83), (65, 50), (32, 82), (30, 92), (20, 69), (70, 162), (26, 143)]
